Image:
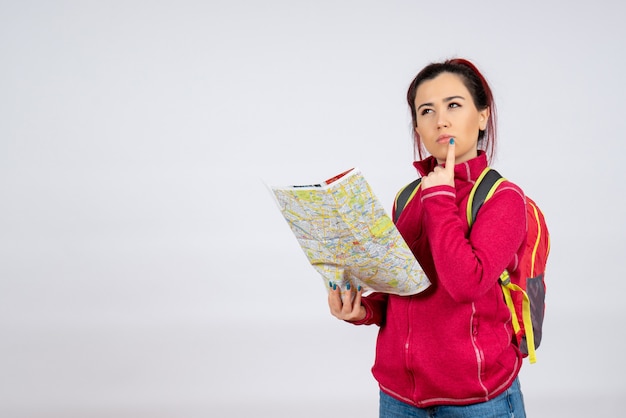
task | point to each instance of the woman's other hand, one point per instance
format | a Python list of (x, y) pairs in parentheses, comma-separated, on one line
[(346, 304)]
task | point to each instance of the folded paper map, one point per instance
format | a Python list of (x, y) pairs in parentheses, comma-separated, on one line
[(347, 236)]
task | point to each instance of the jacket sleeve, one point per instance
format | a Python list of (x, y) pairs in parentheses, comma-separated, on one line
[(469, 267), (375, 307)]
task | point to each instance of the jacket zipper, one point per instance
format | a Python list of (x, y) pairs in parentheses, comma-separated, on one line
[(407, 347), (480, 355)]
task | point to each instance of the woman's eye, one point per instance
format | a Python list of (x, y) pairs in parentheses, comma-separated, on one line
[(426, 111), (454, 105)]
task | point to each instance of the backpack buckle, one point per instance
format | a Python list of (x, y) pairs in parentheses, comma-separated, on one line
[(504, 279)]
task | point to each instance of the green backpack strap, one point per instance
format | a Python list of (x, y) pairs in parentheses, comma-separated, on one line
[(404, 196), (483, 189)]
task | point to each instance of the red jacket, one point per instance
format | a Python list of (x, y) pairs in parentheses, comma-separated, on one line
[(452, 344)]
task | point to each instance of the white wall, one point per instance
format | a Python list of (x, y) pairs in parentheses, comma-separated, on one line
[(145, 269)]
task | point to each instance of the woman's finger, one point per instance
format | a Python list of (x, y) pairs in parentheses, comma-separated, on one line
[(346, 299), (451, 157), (356, 307), (334, 301)]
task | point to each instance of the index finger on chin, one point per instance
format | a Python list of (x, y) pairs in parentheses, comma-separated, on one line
[(451, 157)]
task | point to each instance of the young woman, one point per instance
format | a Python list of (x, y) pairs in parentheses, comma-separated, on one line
[(449, 351)]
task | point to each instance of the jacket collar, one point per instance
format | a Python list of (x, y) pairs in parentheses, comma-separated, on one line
[(468, 171)]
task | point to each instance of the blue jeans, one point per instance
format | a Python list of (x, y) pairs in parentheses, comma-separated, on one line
[(510, 404)]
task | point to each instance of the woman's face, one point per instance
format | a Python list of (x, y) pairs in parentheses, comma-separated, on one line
[(445, 109)]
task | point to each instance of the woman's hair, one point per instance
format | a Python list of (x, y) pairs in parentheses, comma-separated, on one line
[(478, 88)]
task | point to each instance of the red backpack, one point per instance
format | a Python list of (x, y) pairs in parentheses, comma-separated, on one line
[(524, 289)]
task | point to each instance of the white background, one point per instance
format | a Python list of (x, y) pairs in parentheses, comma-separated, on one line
[(145, 270)]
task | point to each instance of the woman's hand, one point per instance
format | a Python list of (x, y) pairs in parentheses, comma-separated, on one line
[(442, 176), (346, 305)]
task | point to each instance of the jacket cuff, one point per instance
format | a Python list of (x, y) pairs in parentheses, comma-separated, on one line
[(442, 190)]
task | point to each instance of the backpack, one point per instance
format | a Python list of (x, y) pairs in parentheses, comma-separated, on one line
[(524, 289)]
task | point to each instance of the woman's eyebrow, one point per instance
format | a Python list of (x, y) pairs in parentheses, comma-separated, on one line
[(449, 99), (446, 100)]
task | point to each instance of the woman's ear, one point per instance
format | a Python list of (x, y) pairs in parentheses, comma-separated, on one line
[(483, 118)]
